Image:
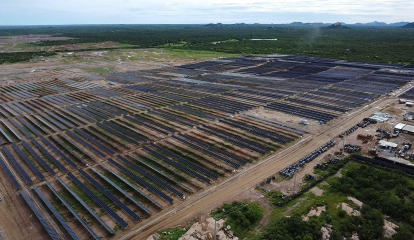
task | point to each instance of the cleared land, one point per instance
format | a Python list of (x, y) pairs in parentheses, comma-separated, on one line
[(135, 151)]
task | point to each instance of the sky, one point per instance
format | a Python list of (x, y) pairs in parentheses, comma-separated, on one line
[(57, 12)]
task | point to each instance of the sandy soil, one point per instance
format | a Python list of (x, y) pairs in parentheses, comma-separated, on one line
[(205, 231), (317, 191)]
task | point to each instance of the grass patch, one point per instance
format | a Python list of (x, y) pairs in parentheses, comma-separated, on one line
[(171, 233), (100, 70)]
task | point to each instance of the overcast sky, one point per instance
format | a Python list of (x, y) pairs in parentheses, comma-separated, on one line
[(48, 12)]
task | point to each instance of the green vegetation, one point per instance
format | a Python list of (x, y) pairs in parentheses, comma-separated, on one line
[(171, 233), (388, 191), (368, 226), (22, 56), (369, 44), (386, 194), (241, 216), (100, 70)]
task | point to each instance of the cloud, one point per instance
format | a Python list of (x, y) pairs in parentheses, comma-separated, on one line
[(202, 11)]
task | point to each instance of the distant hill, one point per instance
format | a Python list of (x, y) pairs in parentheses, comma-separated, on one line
[(337, 25), (214, 25), (308, 24), (370, 24), (398, 24), (374, 24), (408, 25)]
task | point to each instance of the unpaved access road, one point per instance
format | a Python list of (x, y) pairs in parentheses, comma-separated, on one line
[(247, 178)]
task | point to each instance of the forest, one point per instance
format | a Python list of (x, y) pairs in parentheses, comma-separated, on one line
[(385, 194), (366, 44), (22, 56)]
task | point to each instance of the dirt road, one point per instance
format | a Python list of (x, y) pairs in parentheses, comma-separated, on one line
[(216, 195)]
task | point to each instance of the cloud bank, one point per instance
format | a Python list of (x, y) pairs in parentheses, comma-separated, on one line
[(22, 12)]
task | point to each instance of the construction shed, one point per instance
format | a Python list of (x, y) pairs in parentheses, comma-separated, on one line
[(388, 145)]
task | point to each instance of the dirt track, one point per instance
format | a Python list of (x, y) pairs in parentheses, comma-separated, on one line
[(216, 195)]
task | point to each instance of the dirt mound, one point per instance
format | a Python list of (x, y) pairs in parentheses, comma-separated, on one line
[(205, 230), (365, 138)]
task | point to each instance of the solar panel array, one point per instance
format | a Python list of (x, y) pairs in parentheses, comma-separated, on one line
[(146, 139)]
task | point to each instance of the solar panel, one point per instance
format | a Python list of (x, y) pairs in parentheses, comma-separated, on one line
[(110, 196), (121, 190), (18, 166), (150, 176), (28, 162), (84, 143), (99, 201), (9, 174), (132, 186), (141, 181), (86, 206), (56, 150), (39, 216), (38, 158), (56, 214)]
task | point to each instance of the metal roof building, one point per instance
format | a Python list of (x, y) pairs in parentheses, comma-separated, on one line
[(399, 127), (408, 129), (386, 144)]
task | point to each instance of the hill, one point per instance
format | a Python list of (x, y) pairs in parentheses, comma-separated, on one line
[(337, 25), (375, 23), (408, 25), (398, 24)]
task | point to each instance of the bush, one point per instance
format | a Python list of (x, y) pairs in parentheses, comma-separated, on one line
[(241, 216), (293, 228)]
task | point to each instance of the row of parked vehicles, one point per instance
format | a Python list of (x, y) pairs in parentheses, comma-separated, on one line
[(362, 124), (326, 164), (349, 148), (291, 170)]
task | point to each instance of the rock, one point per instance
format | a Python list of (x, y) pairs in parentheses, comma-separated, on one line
[(356, 201), (326, 232), (389, 229), (355, 236), (350, 211), (314, 212)]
